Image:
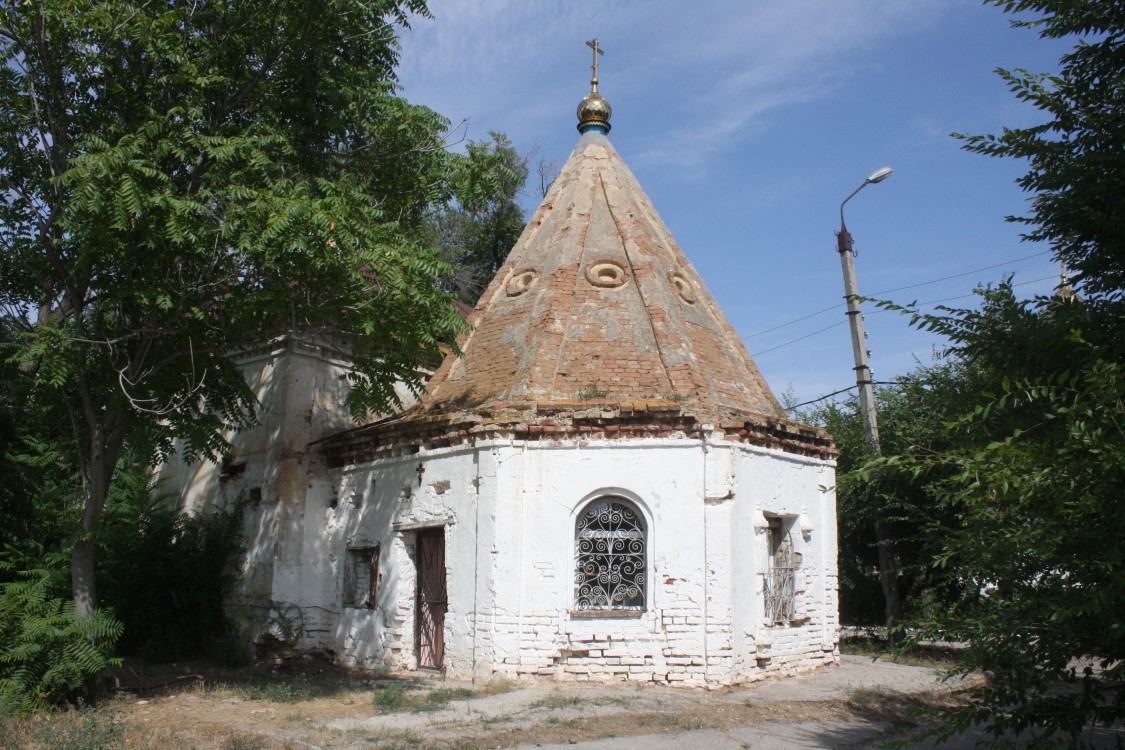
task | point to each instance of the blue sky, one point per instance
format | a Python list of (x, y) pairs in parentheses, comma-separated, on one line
[(747, 122)]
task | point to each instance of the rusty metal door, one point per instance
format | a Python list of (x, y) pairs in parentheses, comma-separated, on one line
[(431, 604)]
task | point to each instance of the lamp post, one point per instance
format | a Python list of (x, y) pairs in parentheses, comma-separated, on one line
[(855, 319), (888, 567)]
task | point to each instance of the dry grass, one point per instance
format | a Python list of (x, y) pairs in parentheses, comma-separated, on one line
[(269, 709)]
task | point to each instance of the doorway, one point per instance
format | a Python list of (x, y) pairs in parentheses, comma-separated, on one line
[(431, 599)]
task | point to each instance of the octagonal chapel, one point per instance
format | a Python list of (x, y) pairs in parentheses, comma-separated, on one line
[(601, 486)]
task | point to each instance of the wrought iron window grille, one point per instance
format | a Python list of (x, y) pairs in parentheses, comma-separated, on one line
[(610, 558)]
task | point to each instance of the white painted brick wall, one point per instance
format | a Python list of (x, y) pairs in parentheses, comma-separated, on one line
[(509, 509)]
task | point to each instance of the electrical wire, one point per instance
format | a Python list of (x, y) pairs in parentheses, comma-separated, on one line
[(794, 341), (960, 296), (958, 275), (830, 395), (798, 320), (876, 312), (899, 289), (842, 390)]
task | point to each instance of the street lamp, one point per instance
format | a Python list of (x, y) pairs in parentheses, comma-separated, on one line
[(855, 319), (888, 565)]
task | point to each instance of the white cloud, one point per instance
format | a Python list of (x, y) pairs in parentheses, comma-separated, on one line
[(710, 74)]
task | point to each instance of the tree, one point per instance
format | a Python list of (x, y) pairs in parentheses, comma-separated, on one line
[(478, 229), (1030, 484), (913, 412), (178, 178), (1032, 474), (1076, 157)]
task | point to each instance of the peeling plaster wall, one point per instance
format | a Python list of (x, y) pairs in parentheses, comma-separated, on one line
[(301, 385), (509, 511), (802, 492)]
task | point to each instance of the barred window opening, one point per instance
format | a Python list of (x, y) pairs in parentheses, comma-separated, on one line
[(610, 548), (781, 575)]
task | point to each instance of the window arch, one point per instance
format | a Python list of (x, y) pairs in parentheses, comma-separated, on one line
[(610, 551)]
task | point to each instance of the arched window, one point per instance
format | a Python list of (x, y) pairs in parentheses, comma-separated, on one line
[(609, 544)]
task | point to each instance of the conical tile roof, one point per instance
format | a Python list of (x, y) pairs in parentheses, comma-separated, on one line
[(597, 302)]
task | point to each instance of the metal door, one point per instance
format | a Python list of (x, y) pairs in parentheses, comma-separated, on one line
[(431, 604)]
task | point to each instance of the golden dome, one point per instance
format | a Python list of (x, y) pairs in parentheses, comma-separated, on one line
[(594, 111)]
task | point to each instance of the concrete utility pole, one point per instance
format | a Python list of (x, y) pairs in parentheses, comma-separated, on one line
[(888, 567)]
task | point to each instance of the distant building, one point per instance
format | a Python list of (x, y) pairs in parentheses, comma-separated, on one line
[(601, 488)]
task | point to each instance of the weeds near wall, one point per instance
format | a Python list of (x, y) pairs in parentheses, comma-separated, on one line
[(394, 698)]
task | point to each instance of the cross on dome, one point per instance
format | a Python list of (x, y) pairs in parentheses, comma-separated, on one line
[(594, 111), (593, 44)]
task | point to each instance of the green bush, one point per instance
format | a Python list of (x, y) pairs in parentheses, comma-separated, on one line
[(47, 654), (165, 574)]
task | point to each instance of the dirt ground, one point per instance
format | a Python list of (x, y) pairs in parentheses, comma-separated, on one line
[(313, 705)]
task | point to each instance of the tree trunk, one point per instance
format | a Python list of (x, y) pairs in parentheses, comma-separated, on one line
[(888, 577), (82, 559), (105, 450)]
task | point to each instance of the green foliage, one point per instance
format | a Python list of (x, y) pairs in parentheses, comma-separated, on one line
[(912, 416), (244, 742), (478, 230), (389, 697), (84, 729), (180, 178), (47, 653), (437, 699), (1004, 478), (1033, 477), (1075, 157), (174, 609)]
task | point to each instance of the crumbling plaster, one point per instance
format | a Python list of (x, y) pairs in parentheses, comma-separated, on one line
[(509, 508)]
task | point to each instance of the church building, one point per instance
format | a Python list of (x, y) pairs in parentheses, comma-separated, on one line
[(601, 487)]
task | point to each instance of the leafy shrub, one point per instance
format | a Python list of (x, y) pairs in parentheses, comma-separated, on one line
[(47, 654), (165, 574)]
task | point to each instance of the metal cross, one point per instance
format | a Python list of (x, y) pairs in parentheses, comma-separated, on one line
[(593, 44)]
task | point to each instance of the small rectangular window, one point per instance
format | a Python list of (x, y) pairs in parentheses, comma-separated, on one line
[(361, 578)]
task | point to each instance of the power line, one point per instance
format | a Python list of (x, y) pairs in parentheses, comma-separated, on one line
[(794, 341), (830, 395), (842, 390), (899, 289), (798, 320), (958, 275), (963, 296), (876, 312)]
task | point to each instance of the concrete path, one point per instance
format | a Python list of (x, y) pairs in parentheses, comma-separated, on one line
[(855, 673), (814, 710)]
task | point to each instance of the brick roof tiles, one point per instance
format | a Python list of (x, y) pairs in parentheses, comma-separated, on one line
[(597, 301)]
